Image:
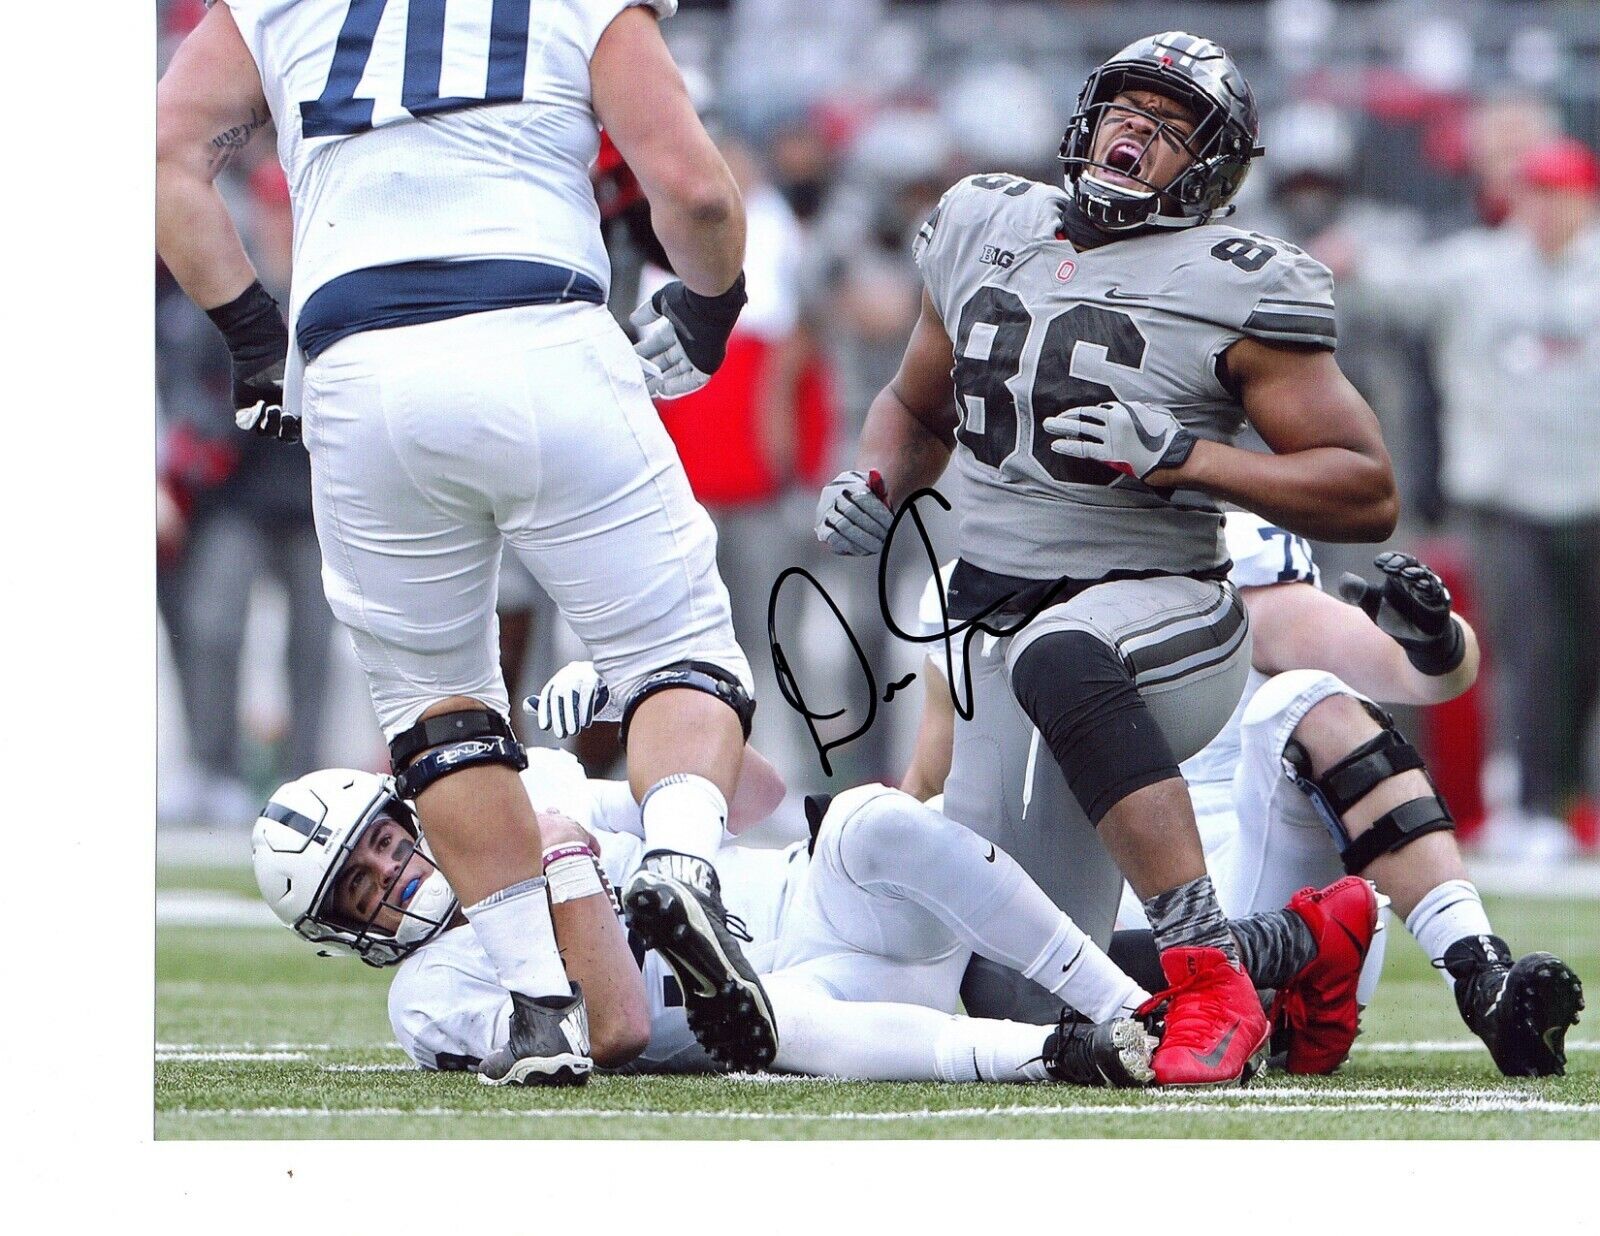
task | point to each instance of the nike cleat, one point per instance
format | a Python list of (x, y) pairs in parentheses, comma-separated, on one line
[(1521, 1010), (727, 1007), (1317, 1012), (549, 1043), (1214, 1030), (1113, 1053)]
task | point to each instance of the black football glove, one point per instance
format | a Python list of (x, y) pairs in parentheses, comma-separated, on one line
[(1411, 606), (683, 336), (258, 342)]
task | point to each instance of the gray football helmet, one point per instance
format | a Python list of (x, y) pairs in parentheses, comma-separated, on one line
[(1202, 76)]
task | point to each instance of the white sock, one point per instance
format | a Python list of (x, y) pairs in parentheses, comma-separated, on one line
[(1444, 915), (1076, 969), (686, 813), (513, 927), (823, 1036)]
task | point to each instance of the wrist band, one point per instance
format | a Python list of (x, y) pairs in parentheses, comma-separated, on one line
[(251, 318), (572, 872), (1440, 657)]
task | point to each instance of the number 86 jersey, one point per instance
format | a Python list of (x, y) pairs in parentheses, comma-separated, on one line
[(420, 130), (1040, 327)]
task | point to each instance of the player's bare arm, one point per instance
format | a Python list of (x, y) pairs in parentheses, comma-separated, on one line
[(695, 207), (1298, 626), (209, 106), (905, 445), (1329, 476), (910, 428), (593, 943)]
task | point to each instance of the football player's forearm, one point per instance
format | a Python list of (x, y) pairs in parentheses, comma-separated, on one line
[(594, 949), (1437, 689), (1328, 492), (908, 454), (703, 233), (196, 238)]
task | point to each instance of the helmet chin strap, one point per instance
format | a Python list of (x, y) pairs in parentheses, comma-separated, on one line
[(428, 910)]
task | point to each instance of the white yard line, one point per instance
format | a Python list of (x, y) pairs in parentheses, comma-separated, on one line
[(1463, 1106), (1453, 1045), (187, 1056)]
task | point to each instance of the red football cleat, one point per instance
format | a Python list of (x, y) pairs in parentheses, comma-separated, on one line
[(1318, 1007), (1214, 1024)]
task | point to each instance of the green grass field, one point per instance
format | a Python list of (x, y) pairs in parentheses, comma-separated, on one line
[(258, 1038)]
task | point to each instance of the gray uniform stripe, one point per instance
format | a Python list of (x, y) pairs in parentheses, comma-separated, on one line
[(1167, 651), (1169, 624), (1301, 326)]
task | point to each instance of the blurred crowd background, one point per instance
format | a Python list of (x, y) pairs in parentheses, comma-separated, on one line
[(1439, 158)]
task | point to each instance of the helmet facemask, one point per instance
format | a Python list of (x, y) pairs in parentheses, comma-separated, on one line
[(1220, 147), (423, 915)]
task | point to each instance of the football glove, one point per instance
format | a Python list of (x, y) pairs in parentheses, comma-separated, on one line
[(1134, 438), (569, 701), (853, 515), (683, 336), (258, 343), (1411, 605)]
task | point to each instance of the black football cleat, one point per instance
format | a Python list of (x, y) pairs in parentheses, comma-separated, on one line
[(549, 1043), (1521, 1010), (727, 1007), (1112, 1053)]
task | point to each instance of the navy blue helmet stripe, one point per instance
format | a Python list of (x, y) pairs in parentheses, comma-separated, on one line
[(302, 824)]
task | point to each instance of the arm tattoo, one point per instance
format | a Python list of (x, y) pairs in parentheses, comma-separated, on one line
[(234, 139)]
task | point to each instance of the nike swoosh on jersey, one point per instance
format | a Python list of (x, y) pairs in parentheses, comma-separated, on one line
[(1214, 1057), (989, 857), (1115, 292)]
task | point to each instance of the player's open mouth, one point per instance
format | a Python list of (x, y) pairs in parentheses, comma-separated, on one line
[(1121, 161), (410, 890)]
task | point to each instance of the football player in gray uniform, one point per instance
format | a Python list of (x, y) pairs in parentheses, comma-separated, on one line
[(1104, 343)]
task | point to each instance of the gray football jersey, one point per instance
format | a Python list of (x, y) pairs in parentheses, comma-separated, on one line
[(1040, 327)]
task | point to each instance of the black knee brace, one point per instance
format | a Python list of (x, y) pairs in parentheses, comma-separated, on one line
[(453, 741), (697, 676), (1351, 779), (1076, 689)]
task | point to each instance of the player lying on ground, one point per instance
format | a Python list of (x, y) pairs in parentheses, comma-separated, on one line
[(1308, 766), (861, 937)]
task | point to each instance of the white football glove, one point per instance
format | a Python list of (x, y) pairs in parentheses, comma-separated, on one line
[(569, 701), (684, 336), (1134, 438), (853, 514)]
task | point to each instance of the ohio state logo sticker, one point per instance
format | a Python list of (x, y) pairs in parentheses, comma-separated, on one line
[(1065, 270)]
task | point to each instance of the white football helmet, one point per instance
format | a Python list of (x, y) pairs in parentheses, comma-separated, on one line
[(302, 838)]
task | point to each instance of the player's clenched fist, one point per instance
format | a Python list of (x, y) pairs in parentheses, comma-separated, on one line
[(853, 515), (258, 343), (1135, 438), (1411, 606), (683, 336)]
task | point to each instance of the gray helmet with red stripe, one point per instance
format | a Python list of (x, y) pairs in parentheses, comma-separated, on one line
[(1204, 78)]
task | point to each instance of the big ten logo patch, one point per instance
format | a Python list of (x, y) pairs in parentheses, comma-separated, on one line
[(992, 256)]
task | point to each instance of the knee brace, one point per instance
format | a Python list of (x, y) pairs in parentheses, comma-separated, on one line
[(1351, 779), (696, 676), (1077, 691), (453, 741)]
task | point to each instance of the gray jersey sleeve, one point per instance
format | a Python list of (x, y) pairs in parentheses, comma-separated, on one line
[(1266, 289), (979, 224)]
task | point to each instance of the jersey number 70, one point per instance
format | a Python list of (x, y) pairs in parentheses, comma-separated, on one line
[(338, 113)]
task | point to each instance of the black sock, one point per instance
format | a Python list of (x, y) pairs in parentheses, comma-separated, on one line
[(1273, 946), (1136, 956)]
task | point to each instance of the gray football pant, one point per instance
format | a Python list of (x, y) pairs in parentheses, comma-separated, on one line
[(1005, 784)]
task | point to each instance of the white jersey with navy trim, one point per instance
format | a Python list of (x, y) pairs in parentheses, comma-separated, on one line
[(416, 130), (446, 1005), (1262, 554)]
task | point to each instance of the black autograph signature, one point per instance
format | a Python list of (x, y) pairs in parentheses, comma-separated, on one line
[(968, 630)]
